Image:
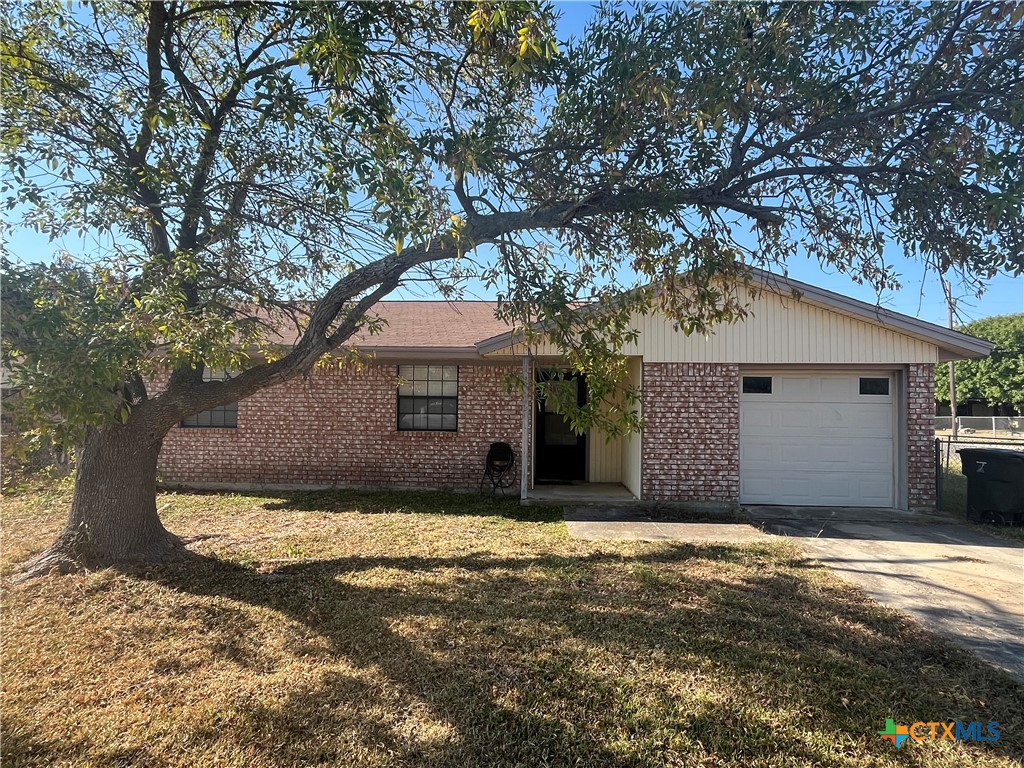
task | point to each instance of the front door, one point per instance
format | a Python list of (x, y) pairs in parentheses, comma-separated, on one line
[(561, 454)]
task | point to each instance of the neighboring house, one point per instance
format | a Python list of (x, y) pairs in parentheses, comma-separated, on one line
[(816, 400), (977, 408)]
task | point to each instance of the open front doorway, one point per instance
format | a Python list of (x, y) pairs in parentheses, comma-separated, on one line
[(560, 455)]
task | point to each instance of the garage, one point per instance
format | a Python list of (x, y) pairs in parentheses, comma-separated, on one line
[(818, 439)]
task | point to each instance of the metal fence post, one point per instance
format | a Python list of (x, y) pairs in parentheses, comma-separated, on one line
[(938, 473)]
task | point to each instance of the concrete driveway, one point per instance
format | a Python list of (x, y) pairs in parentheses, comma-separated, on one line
[(956, 580)]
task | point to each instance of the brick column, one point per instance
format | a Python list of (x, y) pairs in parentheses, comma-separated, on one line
[(921, 435), (691, 437)]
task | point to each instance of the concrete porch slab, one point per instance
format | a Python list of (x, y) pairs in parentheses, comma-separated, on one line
[(591, 494)]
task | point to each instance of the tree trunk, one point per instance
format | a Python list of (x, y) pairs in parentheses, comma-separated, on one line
[(113, 517)]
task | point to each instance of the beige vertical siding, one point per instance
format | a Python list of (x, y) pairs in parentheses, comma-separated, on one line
[(604, 457), (630, 454), (779, 330), (605, 460)]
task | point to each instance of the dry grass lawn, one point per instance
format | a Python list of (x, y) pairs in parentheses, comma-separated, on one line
[(351, 629)]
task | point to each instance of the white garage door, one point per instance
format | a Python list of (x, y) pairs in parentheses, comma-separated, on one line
[(813, 439)]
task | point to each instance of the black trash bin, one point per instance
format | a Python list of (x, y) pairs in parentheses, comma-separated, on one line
[(995, 484)]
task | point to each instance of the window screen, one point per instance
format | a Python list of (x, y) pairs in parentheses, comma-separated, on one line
[(757, 385), (222, 415), (428, 398)]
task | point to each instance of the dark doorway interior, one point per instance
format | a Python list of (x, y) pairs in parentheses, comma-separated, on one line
[(561, 454)]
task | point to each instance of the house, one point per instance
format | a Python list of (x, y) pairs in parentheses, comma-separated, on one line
[(814, 399), (977, 408)]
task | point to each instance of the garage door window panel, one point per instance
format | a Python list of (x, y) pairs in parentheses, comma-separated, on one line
[(757, 385), (874, 386)]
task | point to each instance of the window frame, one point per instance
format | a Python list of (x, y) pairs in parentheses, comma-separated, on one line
[(221, 411), (449, 404)]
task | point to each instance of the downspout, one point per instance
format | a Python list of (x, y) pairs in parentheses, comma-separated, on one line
[(524, 463)]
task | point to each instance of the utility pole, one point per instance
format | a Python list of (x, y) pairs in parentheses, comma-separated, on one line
[(952, 365)]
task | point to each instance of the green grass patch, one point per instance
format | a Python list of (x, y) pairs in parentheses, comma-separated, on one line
[(412, 629)]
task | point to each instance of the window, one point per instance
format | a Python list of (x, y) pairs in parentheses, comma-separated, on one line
[(222, 415), (428, 398), (873, 386), (757, 385)]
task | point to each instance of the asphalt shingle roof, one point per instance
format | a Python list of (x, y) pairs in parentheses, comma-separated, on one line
[(433, 324)]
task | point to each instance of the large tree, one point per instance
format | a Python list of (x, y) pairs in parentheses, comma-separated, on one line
[(244, 164), (997, 379)]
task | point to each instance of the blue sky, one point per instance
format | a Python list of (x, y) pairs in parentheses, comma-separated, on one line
[(921, 294)]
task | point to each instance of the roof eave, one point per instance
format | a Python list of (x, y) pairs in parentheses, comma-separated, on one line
[(502, 340), (420, 353), (952, 345)]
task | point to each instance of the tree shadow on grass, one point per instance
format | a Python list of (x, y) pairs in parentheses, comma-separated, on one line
[(412, 501), (438, 703), (526, 661), (21, 747)]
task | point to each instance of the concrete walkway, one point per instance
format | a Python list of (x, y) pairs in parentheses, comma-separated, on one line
[(956, 580), (634, 524)]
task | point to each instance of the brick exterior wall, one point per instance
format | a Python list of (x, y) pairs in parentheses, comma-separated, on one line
[(691, 441), (340, 428), (921, 435)]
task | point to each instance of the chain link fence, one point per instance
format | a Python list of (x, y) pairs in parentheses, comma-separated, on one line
[(1011, 427), (950, 483)]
